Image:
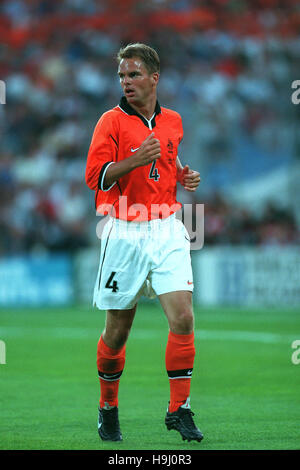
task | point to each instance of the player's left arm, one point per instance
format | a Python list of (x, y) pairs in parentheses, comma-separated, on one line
[(188, 178)]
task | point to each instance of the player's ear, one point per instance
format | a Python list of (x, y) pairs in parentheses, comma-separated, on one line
[(155, 78)]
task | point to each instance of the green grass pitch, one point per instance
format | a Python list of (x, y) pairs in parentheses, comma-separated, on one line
[(245, 390)]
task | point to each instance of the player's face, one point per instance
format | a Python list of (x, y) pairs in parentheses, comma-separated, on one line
[(137, 84)]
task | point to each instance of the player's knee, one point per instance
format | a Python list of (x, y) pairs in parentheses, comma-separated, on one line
[(183, 322), (117, 337)]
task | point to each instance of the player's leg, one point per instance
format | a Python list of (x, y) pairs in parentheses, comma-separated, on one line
[(123, 270), (110, 363), (180, 354), (180, 350)]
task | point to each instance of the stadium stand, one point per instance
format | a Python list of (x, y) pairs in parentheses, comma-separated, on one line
[(227, 67)]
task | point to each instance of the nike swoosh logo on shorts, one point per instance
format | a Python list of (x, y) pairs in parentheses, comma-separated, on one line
[(134, 150), (190, 282)]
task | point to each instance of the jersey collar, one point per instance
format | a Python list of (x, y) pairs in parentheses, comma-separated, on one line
[(125, 106)]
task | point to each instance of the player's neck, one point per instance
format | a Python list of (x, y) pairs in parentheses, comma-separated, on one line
[(147, 109)]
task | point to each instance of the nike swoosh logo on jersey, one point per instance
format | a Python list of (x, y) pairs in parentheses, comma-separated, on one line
[(134, 150), (190, 282), (189, 372)]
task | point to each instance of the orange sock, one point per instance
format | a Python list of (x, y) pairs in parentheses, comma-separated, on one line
[(110, 364), (180, 354)]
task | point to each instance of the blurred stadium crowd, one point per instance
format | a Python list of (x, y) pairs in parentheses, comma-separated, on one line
[(226, 66)]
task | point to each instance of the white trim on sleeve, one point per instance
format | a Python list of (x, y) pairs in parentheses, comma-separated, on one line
[(103, 177)]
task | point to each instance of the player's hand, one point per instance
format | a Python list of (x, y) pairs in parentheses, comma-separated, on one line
[(188, 178), (148, 151)]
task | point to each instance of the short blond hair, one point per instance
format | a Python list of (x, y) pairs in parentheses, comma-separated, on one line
[(146, 53)]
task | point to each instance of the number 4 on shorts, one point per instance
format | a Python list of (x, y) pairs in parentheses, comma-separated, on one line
[(112, 285)]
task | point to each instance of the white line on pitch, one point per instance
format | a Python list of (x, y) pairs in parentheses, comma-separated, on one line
[(143, 334)]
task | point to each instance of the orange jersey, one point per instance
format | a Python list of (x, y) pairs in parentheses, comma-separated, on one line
[(138, 194)]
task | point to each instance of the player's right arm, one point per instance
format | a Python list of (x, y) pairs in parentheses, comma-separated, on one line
[(147, 152), (103, 150)]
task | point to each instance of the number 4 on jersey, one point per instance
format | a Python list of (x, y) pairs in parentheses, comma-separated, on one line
[(154, 175)]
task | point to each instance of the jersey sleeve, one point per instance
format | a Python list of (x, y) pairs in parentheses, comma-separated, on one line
[(102, 153), (180, 130)]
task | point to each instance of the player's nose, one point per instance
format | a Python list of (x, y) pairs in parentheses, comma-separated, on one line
[(127, 80)]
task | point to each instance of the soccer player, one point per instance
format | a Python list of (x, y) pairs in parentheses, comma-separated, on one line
[(133, 167)]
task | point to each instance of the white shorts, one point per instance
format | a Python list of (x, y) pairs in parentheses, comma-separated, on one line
[(142, 258)]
